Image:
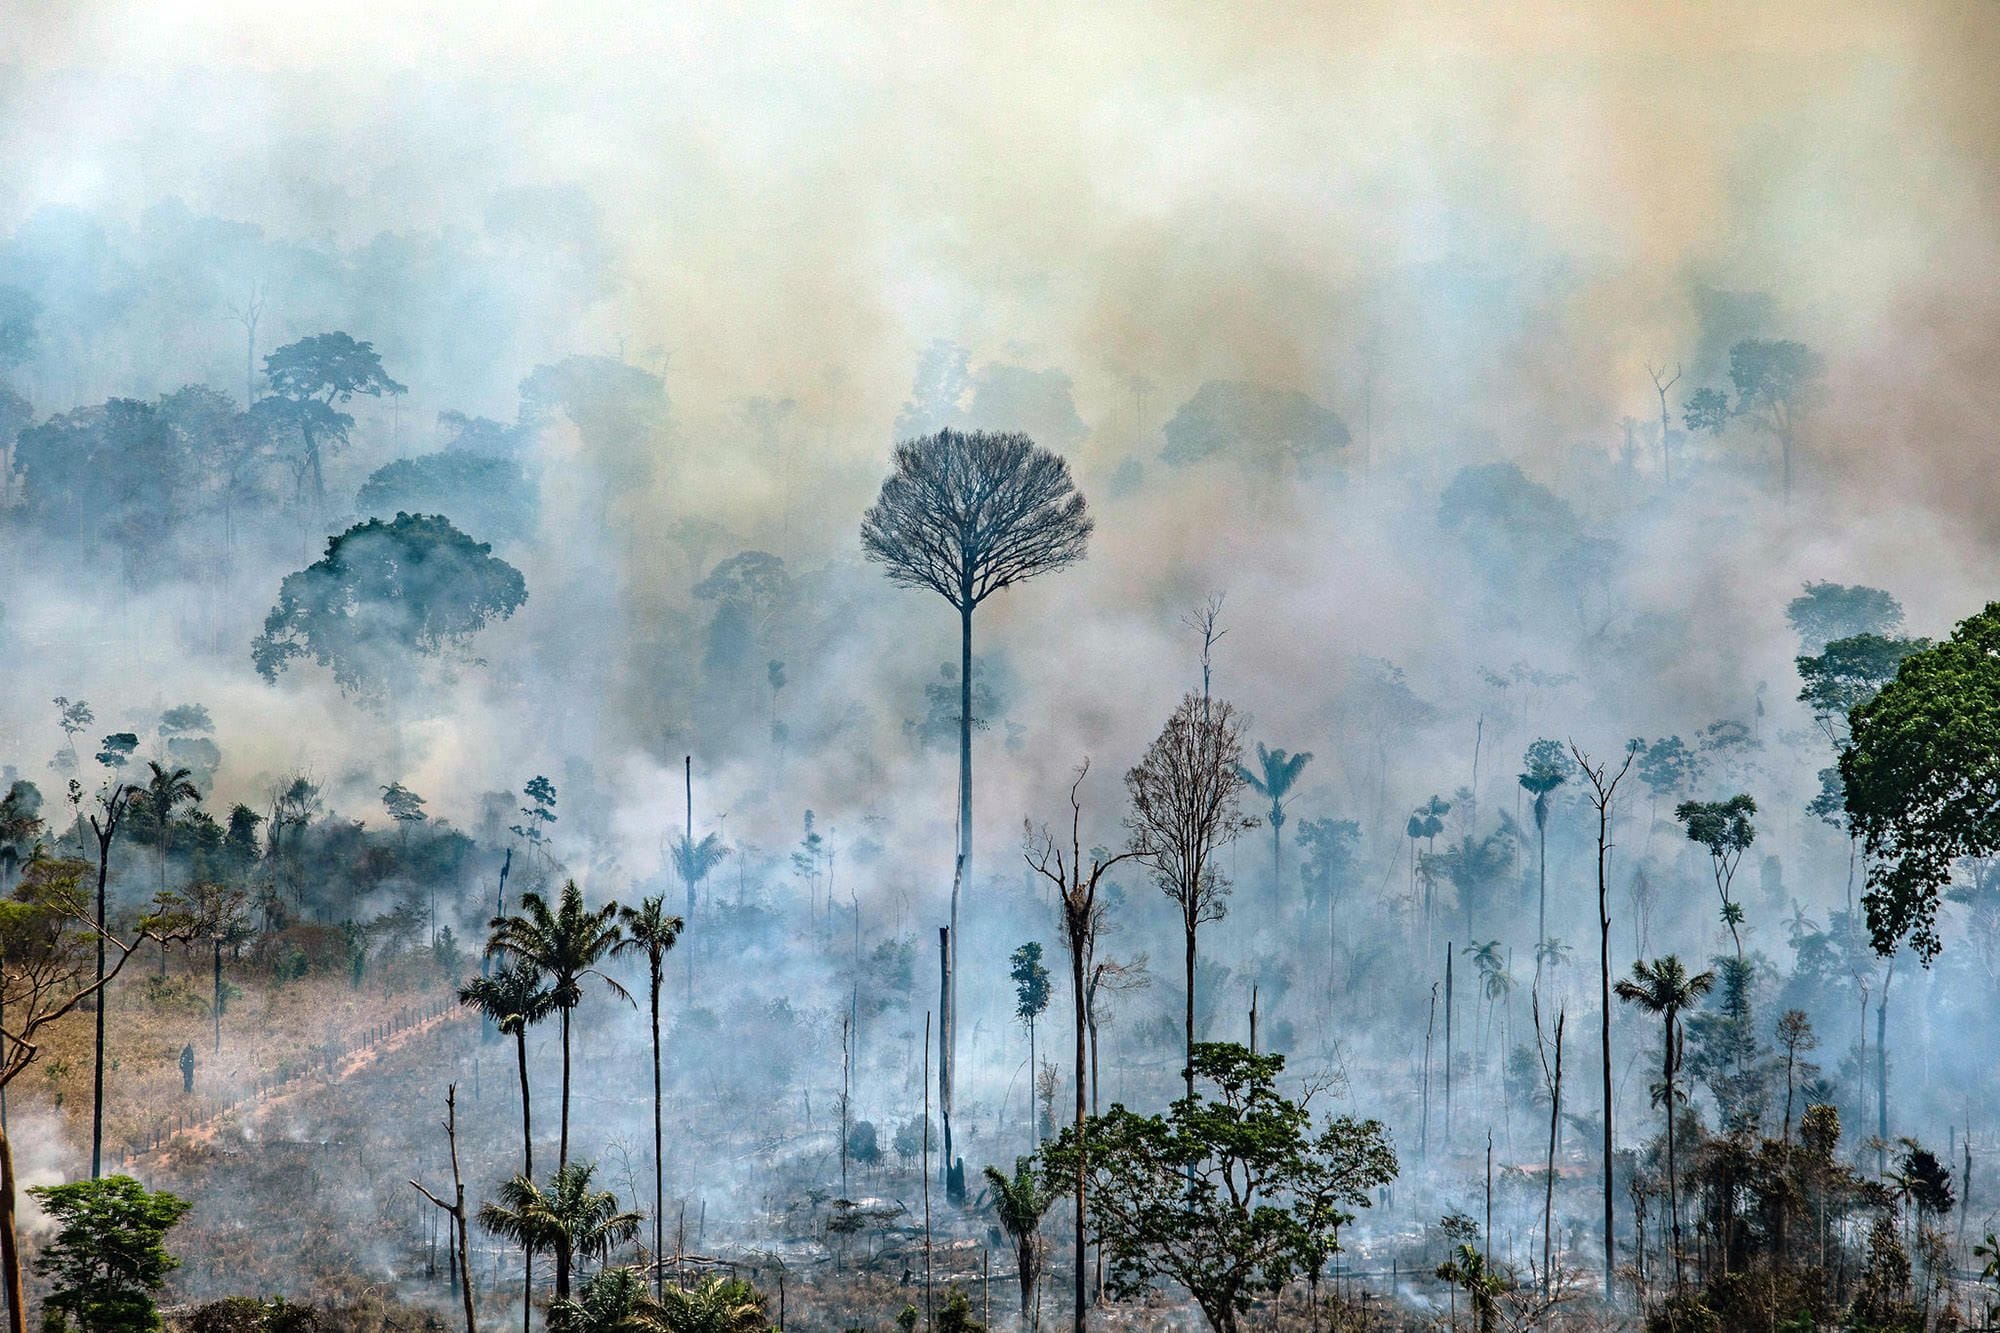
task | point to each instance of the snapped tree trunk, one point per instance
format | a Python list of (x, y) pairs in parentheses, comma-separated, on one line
[(1081, 1003)]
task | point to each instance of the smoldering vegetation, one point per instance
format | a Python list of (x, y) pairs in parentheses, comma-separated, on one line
[(1417, 684)]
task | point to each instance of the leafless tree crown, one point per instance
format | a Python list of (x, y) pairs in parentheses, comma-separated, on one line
[(966, 513), (1186, 804)]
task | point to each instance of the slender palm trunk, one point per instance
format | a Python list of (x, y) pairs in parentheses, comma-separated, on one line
[(527, 1171), (1549, 1184), (527, 1116), (1542, 894), (1673, 1167), (659, 1166), (1277, 853), (562, 1144)]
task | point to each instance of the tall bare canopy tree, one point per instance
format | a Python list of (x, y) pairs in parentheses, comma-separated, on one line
[(1186, 806), (1604, 780), (965, 514)]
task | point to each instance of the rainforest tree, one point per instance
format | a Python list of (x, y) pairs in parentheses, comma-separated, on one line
[(1186, 805), (1230, 1194), (1921, 774), (387, 594), (967, 514)]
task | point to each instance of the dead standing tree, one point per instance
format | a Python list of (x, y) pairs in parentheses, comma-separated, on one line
[(1081, 917), (1603, 788), (965, 514), (1186, 806), (456, 1208)]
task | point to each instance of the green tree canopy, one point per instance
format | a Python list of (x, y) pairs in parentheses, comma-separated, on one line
[(1922, 776), (1230, 1194), (1824, 612), (1848, 673), (385, 594), (108, 1256)]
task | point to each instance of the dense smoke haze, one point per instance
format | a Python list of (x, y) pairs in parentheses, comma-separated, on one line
[(1379, 332)]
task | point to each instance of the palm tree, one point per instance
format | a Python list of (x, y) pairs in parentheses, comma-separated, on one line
[(1467, 1268), (693, 861), (514, 999), (612, 1301), (166, 790), (649, 930), (1552, 953), (1664, 987), (719, 1305), (1020, 1203), (568, 1218), (1471, 865), (562, 947), (1548, 768), (1280, 772)]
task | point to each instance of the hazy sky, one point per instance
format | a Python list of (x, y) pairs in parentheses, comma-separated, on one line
[(802, 196)]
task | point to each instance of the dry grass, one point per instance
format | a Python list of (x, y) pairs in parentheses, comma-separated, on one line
[(269, 1031)]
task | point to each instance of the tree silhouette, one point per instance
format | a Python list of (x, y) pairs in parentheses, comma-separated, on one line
[(1776, 385), (307, 379), (1604, 782), (405, 807), (1031, 1001), (569, 1219), (514, 999), (1276, 773), (1663, 987), (694, 862), (1725, 830), (563, 947), (648, 929), (387, 592), (966, 514), (1186, 795), (1545, 768)]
